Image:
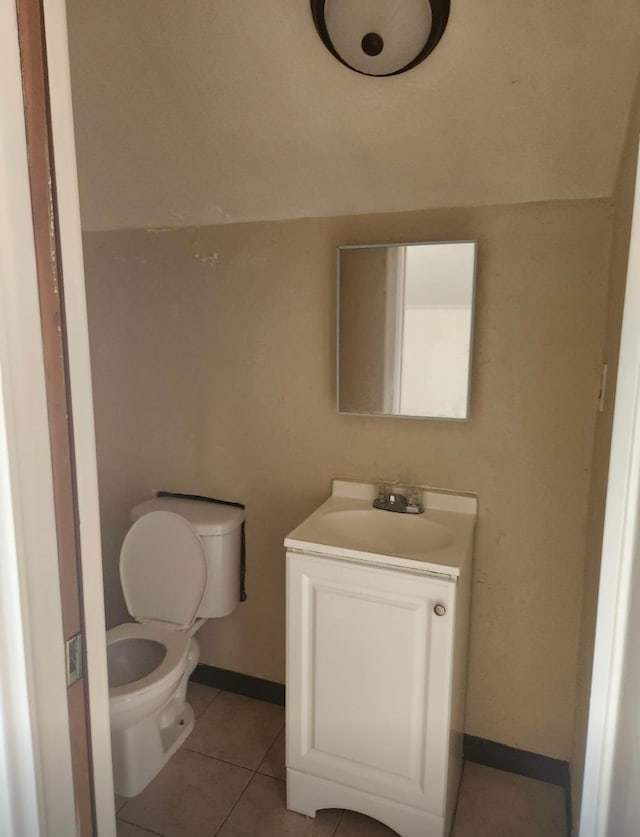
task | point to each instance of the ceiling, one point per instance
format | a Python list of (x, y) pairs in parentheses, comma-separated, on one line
[(197, 112)]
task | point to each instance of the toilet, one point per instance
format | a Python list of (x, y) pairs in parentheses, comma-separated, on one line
[(180, 564)]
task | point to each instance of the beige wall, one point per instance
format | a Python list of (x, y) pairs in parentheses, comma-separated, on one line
[(623, 201), (148, 335), (219, 111), (214, 356)]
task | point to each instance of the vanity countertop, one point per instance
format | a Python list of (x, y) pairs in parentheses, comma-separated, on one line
[(346, 527)]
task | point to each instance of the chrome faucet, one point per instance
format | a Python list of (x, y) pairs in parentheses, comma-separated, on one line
[(389, 499)]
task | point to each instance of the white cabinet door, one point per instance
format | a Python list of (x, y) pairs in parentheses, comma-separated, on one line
[(369, 678)]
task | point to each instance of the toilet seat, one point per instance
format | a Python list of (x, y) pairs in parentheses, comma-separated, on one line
[(176, 645), (164, 574), (163, 570)]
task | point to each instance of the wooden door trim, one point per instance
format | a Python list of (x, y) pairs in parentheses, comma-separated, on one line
[(55, 354)]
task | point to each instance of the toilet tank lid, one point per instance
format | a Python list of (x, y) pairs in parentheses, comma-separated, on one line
[(206, 518)]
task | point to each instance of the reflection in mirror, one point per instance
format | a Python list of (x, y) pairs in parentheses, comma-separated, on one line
[(405, 317)]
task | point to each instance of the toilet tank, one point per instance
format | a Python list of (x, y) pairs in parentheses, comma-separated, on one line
[(219, 527)]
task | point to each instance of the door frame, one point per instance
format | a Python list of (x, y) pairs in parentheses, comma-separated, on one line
[(37, 750), (620, 558), (41, 744)]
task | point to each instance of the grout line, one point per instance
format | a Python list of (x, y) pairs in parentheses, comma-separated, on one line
[(218, 692), (279, 733), (339, 823), (235, 804), (223, 761), (141, 827)]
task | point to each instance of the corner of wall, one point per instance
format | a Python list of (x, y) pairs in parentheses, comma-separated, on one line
[(622, 214)]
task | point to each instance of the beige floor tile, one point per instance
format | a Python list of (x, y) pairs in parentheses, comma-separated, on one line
[(357, 825), (273, 762), (190, 797), (125, 829), (200, 697), (119, 802), (237, 729), (493, 803), (262, 812)]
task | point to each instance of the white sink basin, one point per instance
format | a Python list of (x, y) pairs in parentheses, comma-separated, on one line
[(374, 530), (347, 527)]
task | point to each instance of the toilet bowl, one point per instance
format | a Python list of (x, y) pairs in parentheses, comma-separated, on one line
[(179, 565)]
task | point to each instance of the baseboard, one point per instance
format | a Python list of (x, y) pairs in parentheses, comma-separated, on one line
[(240, 684), (522, 762)]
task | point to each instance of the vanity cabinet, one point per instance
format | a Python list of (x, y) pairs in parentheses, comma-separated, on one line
[(377, 627), (369, 692)]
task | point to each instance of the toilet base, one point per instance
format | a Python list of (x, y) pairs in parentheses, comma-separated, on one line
[(140, 751)]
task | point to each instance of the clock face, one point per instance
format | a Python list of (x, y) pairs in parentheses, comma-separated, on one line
[(379, 38)]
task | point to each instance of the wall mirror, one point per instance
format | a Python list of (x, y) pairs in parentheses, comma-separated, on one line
[(405, 324)]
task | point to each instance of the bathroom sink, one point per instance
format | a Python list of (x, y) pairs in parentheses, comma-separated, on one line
[(346, 527), (374, 530)]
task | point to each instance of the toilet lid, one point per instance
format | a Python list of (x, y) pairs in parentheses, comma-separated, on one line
[(163, 570)]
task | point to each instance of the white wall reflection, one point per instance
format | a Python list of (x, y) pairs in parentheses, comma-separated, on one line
[(405, 326)]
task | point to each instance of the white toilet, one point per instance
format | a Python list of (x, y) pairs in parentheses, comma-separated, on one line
[(179, 565)]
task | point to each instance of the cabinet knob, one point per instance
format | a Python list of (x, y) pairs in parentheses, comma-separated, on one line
[(439, 610)]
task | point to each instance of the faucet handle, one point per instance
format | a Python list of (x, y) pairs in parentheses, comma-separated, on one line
[(414, 500)]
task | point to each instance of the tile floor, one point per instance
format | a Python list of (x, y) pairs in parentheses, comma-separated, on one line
[(228, 780)]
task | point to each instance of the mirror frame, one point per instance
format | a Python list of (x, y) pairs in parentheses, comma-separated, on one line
[(467, 415)]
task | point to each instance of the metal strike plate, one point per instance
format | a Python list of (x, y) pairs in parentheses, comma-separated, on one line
[(73, 657)]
